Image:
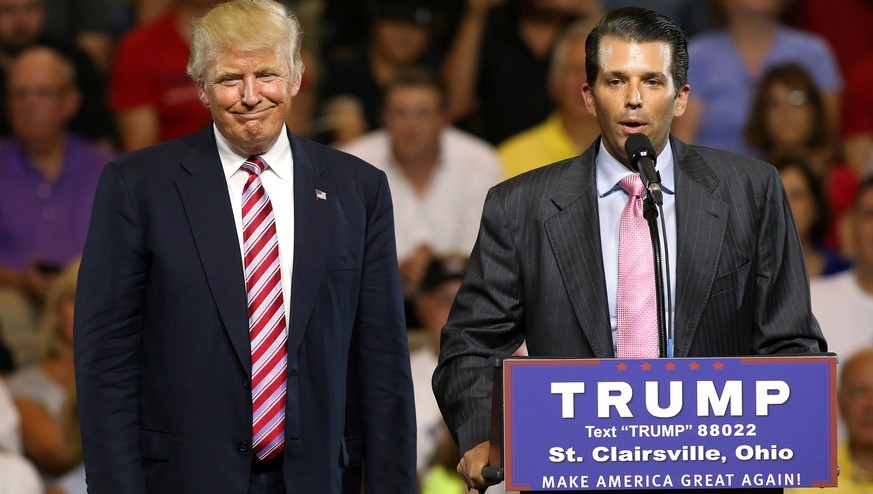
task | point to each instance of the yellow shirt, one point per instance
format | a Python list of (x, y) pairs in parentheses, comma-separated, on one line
[(545, 143), (850, 481)]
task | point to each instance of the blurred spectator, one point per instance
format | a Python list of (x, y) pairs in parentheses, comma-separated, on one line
[(725, 67), (843, 303), (693, 16), (438, 289), (7, 362), (49, 179), (72, 482), (150, 91), (787, 119), (571, 128), (17, 475), (858, 124), (145, 11), (497, 68), (90, 24), (438, 175), (399, 39), (855, 401), (42, 390), (22, 24), (843, 27), (442, 477), (810, 210)]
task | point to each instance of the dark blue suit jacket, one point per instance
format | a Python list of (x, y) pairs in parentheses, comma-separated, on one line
[(162, 348)]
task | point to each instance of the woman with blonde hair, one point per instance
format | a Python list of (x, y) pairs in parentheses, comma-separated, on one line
[(41, 390)]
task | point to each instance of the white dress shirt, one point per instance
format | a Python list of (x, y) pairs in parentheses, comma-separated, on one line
[(446, 217), (612, 199), (278, 180)]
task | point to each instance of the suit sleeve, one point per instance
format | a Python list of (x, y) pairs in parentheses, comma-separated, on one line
[(783, 312), (485, 322), (108, 323), (386, 395)]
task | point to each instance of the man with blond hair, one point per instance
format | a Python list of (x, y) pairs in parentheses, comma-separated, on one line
[(239, 320)]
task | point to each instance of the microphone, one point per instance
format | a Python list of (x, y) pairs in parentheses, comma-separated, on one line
[(642, 158)]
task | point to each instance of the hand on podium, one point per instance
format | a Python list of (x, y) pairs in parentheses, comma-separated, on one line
[(471, 465)]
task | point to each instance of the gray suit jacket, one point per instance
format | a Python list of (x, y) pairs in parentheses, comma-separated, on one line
[(536, 274)]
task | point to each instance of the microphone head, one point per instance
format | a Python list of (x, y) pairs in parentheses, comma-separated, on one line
[(636, 146)]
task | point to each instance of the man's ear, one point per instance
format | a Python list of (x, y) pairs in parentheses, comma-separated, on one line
[(202, 94), (681, 101), (588, 96), (295, 88)]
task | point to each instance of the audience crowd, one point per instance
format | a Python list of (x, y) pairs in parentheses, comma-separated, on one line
[(448, 98)]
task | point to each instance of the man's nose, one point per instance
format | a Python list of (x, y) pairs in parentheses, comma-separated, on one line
[(251, 95), (633, 97)]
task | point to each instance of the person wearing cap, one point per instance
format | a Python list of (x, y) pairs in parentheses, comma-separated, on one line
[(400, 38)]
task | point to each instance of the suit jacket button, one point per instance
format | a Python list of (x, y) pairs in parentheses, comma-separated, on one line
[(242, 446), (246, 383)]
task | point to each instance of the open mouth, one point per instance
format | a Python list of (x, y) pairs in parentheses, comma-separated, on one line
[(632, 126)]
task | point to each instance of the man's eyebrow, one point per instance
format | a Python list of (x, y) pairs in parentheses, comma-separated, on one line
[(222, 73), (615, 73), (621, 74)]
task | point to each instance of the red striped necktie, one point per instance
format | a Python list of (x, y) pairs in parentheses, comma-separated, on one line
[(267, 326)]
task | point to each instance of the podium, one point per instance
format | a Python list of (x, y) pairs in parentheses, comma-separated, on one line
[(682, 423)]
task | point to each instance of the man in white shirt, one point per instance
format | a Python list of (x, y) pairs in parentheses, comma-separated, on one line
[(843, 303), (438, 175)]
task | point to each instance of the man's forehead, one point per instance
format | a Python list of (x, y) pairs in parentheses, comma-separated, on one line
[(418, 93), (612, 46)]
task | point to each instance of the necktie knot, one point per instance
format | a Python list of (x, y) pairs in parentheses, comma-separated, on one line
[(255, 165), (633, 185)]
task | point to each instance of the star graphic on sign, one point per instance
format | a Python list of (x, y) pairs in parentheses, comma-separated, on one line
[(670, 366), (646, 366), (693, 366), (718, 366), (622, 366)]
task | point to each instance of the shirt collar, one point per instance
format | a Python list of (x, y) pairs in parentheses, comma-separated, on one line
[(610, 171), (278, 157)]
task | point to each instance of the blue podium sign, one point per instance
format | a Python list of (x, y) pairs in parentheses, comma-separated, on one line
[(669, 423)]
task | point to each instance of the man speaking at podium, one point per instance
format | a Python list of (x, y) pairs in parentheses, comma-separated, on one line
[(239, 320), (559, 262)]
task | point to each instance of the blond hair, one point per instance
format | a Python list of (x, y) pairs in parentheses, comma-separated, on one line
[(244, 25), (63, 288)]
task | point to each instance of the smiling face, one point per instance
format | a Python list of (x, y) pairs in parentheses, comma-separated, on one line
[(634, 93), (248, 93)]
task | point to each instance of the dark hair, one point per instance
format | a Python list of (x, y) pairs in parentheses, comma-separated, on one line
[(796, 77), (639, 25), (819, 228), (418, 77), (441, 270)]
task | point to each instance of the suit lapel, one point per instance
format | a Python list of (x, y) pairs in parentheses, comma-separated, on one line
[(207, 207), (574, 235), (315, 202), (701, 221)]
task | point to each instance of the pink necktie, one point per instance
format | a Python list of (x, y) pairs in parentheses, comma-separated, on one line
[(267, 327), (637, 317)]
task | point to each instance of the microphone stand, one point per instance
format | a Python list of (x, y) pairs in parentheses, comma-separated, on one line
[(650, 213)]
